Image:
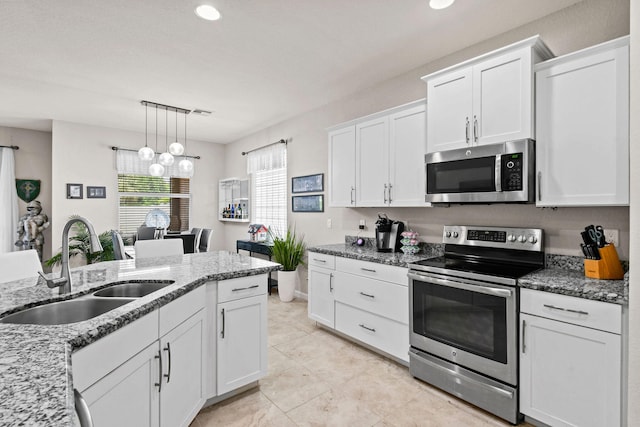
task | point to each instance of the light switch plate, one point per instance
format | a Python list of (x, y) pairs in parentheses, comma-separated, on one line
[(611, 235)]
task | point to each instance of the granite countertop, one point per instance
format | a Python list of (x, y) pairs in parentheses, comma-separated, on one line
[(366, 253), (36, 385)]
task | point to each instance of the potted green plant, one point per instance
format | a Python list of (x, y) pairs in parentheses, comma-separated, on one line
[(287, 250)]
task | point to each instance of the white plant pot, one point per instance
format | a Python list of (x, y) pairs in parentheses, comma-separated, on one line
[(287, 281)]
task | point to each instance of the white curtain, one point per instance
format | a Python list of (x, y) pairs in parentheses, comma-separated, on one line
[(268, 158), (128, 162), (8, 201)]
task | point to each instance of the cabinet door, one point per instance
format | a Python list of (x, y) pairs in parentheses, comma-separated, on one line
[(407, 147), (503, 98), (321, 303), (242, 342), (342, 162), (182, 393), (129, 395), (569, 375), (583, 131), (449, 113), (372, 162)]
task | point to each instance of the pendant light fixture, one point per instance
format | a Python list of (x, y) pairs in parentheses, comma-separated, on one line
[(156, 169), (185, 166), (166, 159), (440, 4), (176, 148), (146, 153)]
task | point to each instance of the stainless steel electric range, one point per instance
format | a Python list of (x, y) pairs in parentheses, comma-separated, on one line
[(464, 314)]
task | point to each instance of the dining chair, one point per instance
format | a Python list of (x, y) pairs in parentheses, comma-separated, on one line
[(146, 233), (197, 232), (118, 246), (158, 248), (205, 240), (19, 265)]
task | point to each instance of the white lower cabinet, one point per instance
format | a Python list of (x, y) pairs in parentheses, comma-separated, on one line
[(364, 300), (570, 360)]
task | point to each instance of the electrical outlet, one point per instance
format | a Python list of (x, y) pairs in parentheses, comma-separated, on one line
[(611, 235), (362, 224), (329, 223)]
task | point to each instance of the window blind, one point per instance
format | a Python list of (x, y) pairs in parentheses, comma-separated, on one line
[(269, 197)]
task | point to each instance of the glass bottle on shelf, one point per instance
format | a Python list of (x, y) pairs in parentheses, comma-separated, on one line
[(239, 211)]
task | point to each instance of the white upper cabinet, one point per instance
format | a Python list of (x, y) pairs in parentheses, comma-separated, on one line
[(582, 109), (486, 100), (385, 153)]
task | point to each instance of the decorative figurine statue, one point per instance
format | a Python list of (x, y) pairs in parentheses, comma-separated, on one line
[(30, 228)]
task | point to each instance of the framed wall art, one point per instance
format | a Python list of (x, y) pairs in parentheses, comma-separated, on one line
[(314, 203), (74, 191), (308, 183), (96, 192)]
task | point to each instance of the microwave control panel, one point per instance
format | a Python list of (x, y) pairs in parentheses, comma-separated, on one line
[(511, 168)]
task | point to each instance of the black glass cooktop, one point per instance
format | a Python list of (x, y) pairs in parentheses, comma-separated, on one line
[(511, 270)]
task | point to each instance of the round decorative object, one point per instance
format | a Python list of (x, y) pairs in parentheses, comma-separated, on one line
[(156, 169), (166, 159), (185, 167), (157, 218), (145, 153), (176, 148)]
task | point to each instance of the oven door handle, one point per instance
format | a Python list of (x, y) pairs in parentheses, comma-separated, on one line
[(505, 293)]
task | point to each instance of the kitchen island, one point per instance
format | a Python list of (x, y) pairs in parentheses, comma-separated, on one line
[(36, 383)]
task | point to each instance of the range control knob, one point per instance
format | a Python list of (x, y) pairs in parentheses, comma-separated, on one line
[(447, 234), (522, 239), (511, 237), (533, 239), (455, 234)]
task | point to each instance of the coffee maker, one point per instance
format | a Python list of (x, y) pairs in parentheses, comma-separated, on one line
[(388, 234)]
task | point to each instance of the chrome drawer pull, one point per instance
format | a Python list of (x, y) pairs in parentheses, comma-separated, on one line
[(244, 289), (319, 260), (82, 409), (524, 330), (159, 383), (553, 307), (370, 270), (367, 295), (367, 328)]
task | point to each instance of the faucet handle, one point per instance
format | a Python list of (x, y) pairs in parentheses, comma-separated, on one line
[(56, 282)]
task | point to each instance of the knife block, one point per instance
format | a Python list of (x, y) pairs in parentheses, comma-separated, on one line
[(608, 267)]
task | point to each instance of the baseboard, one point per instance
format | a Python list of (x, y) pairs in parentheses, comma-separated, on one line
[(298, 294)]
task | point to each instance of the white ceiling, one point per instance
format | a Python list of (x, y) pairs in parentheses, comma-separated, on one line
[(263, 62)]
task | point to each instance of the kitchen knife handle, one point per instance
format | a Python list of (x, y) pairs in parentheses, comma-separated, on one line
[(466, 130), (539, 186), (475, 129)]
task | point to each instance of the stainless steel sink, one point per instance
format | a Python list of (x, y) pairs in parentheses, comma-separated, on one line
[(132, 289), (63, 312)]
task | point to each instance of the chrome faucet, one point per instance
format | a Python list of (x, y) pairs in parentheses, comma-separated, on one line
[(95, 246)]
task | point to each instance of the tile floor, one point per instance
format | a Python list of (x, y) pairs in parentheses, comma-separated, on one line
[(319, 379)]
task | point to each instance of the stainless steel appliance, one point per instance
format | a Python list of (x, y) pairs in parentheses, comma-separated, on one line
[(464, 314), (496, 173), (388, 234)]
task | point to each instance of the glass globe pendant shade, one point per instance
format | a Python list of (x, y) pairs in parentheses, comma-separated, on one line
[(176, 148), (185, 167), (145, 153), (166, 159), (156, 169)]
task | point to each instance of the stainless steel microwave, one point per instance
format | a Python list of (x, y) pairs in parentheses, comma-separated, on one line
[(496, 173)]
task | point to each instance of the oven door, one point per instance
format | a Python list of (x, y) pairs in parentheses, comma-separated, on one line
[(467, 322)]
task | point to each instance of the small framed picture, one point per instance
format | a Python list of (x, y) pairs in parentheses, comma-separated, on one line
[(74, 191), (313, 203), (308, 183), (96, 192)]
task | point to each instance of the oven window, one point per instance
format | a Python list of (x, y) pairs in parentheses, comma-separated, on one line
[(462, 176), (470, 321)]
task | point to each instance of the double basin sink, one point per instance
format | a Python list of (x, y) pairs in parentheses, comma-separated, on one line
[(87, 306)]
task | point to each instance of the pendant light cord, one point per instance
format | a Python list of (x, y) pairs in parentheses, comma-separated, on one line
[(156, 130)]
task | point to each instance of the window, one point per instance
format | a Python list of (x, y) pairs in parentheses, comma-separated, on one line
[(139, 194), (268, 169)]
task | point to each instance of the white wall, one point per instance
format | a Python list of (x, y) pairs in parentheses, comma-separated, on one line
[(82, 154), (33, 161)]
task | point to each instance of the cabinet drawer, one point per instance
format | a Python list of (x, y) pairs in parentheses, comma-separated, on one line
[(388, 273), (321, 260), (582, 312), (180, 309), (387, 335), (242, 287), (381, 298)]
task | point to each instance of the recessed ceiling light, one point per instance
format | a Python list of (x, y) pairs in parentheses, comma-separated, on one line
[(208, 12), (440, 4)]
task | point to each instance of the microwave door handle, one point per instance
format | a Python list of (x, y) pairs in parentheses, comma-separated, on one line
[(498, 173), (499, 292)]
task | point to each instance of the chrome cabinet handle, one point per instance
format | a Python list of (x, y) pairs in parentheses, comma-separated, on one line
[(524, 329), (389, 192), (222, 332), (319, 260), (475, 129), (159, 383), (569, 310), (539, 186), (370, 270), (330, 282), (466, 130), (366, 327), (352, 190), (367, 295), (244, 289), (82, 409), (168, 374), (385, 193)]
